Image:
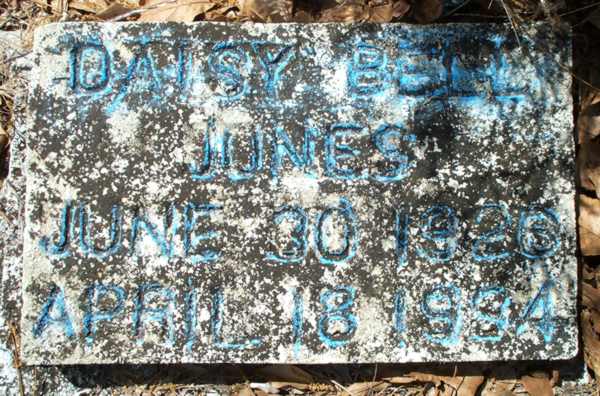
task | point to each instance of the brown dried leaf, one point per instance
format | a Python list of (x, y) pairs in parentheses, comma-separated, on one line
[(470, 385), (59, 6), (400, 380), (260, 388), (386, 12), (501, 383), (555, 377), (426, 11), (4, 139), (538, 386), (287, 385), (426, 377), (595, 320), (589, 165), (400, 8), (588, 129), (303, 16), (366, 388), (346, 12), (464, 386), (588, 122), (455, 382), (113, 11), (591, 341), (267, 10), (590, 296), (588, 273), (245, 390), (502, 392), (448, 391), (589, 225), (222, 14), (91, 6), (174, 10), (129, 3), (286, 373), (381, 14)]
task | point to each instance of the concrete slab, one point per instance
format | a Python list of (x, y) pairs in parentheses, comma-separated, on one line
[(298, 193)]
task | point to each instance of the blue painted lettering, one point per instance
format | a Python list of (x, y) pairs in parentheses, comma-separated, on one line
[(184, 62), (162, 239), (442, 307), (191, 214), (298, 237), (420, 71), (367, 73), (206, 171), (283, 147), (382, 139), (297, 322), (93, 314), (191, 316), (60, 249), (337, 305), (228, 63), (54, 313), (89, 66), (538, 233), (143, 312), (273, 58), (216, 324), (496, 322), (328, 255), (400, 316), (401, 223), (255, 161), (485, 244), (86, 243), (539, 312), (439, 226), (335, 151), (141, 71)]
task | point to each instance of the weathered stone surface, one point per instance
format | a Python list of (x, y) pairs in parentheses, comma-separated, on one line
[(298, 193)]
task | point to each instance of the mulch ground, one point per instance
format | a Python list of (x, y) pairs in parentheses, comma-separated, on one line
[(535, 378)]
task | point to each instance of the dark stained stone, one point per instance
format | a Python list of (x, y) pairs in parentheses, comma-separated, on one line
[(299, 193)]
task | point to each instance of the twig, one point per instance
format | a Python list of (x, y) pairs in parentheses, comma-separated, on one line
[(546, 9), (16, 357), (374, 377), (472, 15), (580, 9), (4, 216), (461, 383), (452, 11), (4, 139), (512, 22), (338, 385), (580, 79), (13, 58)]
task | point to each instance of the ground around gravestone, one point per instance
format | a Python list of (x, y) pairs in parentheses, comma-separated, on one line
[(68, 380)]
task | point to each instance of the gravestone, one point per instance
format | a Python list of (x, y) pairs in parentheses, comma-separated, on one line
[(325, 193)]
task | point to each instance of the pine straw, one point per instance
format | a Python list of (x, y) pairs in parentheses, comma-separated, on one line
[(491, 379)]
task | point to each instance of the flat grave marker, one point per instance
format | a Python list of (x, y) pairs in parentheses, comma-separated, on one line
[(330, 193)]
